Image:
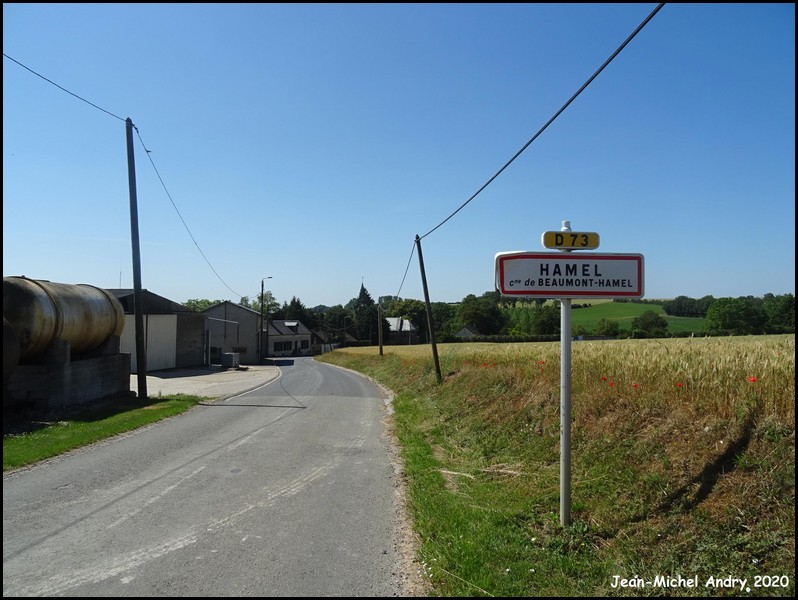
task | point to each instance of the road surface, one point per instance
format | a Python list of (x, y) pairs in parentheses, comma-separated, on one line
[(288, 490)]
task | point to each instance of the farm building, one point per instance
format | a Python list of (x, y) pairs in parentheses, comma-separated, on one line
[(174, 335), (233, 328)]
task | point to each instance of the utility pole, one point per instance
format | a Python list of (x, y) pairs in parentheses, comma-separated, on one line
[(379, 325), (430, 326), (138, 301), (260, 331)]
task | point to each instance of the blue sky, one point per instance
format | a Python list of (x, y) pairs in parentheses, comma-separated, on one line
[(313, 142)]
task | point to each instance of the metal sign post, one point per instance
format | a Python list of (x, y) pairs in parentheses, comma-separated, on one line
[(566, 275), (565, 404)]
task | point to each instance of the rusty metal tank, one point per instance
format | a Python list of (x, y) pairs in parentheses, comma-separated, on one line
[(10, 350), (41, 312)]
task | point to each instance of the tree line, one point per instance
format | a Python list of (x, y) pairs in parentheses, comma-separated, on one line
[(492, 316), (742, 315)]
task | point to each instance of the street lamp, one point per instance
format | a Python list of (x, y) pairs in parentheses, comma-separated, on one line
[(260, 331)]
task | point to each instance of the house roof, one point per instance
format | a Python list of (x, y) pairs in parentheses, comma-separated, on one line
[(153, 303), (287, 327), (398, 324), (233, 305)]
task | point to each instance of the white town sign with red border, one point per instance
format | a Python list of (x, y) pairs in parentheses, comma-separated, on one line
[(569, 275)]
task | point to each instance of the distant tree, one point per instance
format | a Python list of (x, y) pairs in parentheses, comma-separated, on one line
[(414, 310), (608, 328), (386, 302), (740, 316), (245, 302), (365, 315), (517, 318), (270, 305), (279, 312), (295, 310), (703, 305), (675, 307), (483, 314), (682, 306), (444, 319), (545, 319), (351, 304), (579, 330), (336, 322), (780, 312), (650, 324), (199, 305), (530, 318)]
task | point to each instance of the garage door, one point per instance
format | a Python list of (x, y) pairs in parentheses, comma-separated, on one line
[(160, 341)]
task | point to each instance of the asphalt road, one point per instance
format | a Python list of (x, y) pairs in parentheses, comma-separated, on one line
[(286, 490)]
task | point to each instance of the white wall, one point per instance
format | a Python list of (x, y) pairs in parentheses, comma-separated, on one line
[(160, 341)]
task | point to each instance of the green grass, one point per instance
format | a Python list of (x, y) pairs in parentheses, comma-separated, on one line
[(682, 463), (625, 312), (37, 437)]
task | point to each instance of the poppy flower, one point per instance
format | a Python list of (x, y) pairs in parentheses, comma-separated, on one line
[(679, 384), (752, 379)]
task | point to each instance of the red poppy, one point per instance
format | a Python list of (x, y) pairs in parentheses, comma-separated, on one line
[(636, 385), (752, 379), (603, 378), (612, 384), (680, 384)]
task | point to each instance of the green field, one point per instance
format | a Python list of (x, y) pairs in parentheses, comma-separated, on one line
[(625, 312)]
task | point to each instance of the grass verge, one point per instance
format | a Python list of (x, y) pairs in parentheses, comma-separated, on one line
[(683, 466), (30, 437)]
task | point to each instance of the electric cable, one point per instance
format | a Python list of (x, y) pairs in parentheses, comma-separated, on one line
[(148, 152), (64, 89), (550, 121), (148, 156)]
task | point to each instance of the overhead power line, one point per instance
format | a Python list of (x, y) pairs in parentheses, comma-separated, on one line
[(147, 152), (63, 89), (407, 268), (550, 121)]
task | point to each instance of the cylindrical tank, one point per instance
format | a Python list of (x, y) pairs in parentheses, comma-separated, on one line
[(41, 312), (10, 350)]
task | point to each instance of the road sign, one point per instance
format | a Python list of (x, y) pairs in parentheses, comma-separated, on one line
[(569, 275), (570, 240)]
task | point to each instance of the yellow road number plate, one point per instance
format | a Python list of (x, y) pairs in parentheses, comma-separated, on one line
[(570, 240)]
